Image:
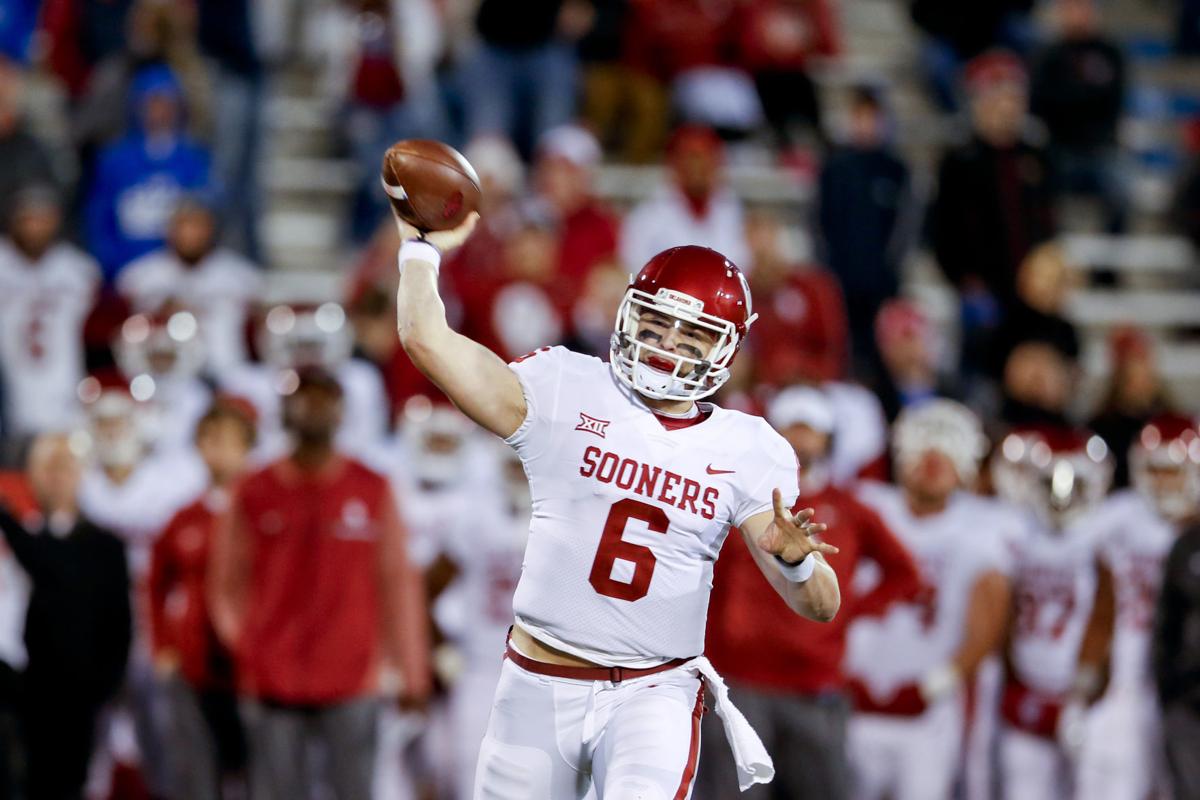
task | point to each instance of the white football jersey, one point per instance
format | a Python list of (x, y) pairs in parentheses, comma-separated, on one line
[(138, 509), (628, 517), (168, 421), (218, 290), (1054, 588), (1134, 545), (861, 430), (43, 307), (476, 610), (953, 549)]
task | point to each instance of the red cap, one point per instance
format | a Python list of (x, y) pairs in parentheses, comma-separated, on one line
[(691, 137), (899, 319), (1127, 342), (994, 68)]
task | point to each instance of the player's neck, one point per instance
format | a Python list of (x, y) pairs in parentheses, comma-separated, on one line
[(924, 505), (311, 455), (118, 473), (674, 408)]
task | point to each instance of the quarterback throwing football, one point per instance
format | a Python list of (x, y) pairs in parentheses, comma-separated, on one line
[(634, 484)]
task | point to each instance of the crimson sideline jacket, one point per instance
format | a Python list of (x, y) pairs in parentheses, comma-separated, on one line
[(179, 619), (754, 637), (312, 588)]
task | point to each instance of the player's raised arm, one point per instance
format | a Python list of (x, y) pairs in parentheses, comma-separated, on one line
[(471, 375), (783, 547)]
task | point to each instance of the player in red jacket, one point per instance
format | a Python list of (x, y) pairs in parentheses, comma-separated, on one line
[(311, 588), (206, 736), (785, 672)]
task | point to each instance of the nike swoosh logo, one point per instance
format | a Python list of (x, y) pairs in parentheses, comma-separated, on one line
[(712, 471)]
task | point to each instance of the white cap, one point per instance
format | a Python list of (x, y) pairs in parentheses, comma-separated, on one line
[(572, 142), (801, 405)]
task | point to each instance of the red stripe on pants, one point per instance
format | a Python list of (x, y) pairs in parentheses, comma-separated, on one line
[(689, 771)]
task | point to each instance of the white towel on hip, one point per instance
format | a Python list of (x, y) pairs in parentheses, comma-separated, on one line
[(753, 762)]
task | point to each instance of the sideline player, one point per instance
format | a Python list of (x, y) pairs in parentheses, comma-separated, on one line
[(909, 667), (1121, 752), (1061, 627), (634, 486)]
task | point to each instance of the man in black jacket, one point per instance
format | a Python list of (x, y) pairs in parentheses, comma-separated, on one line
[(78, 627), (1078, 91), (994, 203), (864, 193), (1177, 660)]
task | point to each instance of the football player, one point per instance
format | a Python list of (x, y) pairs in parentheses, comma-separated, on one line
[(164, 354), (476, 610), (293, 337), (909, 667), (1120, 758), (1061, 627), (47, 287), (634, 483)]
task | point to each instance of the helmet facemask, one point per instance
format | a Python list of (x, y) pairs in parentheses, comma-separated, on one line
[(1169, 478), (1059, 487), (678, 376)]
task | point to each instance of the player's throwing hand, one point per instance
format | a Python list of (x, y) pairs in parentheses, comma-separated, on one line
[(789, 536), (445, 241)]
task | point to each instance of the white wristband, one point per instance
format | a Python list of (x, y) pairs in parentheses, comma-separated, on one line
[(417, 250), (797, 573)]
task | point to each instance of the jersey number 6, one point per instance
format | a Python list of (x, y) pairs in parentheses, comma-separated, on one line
[(612, 547)]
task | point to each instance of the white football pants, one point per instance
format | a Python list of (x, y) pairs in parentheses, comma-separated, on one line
[(907, 758), (556, 738), (1033, 767)]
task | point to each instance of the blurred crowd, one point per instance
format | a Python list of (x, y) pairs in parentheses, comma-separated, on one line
[(164, 417)]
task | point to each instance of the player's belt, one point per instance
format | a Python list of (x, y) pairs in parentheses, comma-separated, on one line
[(614, 674)]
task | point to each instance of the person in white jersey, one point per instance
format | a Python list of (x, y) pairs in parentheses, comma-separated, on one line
[(47, 288), (476, 609), (1061, 624), (908, 669), (635, 485), (1121, 758)]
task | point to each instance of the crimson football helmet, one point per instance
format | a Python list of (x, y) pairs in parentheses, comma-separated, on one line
[(1169, 443), (693, 289), (1060, 473), (435, 439), (296, 336), (152, 349)]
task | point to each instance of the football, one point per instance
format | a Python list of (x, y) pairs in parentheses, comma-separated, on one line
[(430, 184)]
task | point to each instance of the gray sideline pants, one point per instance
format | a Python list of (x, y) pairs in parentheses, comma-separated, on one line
[(281, 740), (805, 735)]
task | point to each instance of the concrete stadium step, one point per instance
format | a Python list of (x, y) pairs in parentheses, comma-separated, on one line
[(1145, 308), (304, 175), (1145, 253), (294, 286), (627, 184)]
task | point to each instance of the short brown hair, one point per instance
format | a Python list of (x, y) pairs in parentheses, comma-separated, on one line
[(240, 411)]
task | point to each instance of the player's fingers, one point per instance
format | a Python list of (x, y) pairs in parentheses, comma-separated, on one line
[(826, 548), (781, 512), (814, 528), (803, 516)]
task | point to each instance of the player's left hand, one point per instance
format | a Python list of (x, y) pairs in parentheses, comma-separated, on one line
[(790, 536)]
